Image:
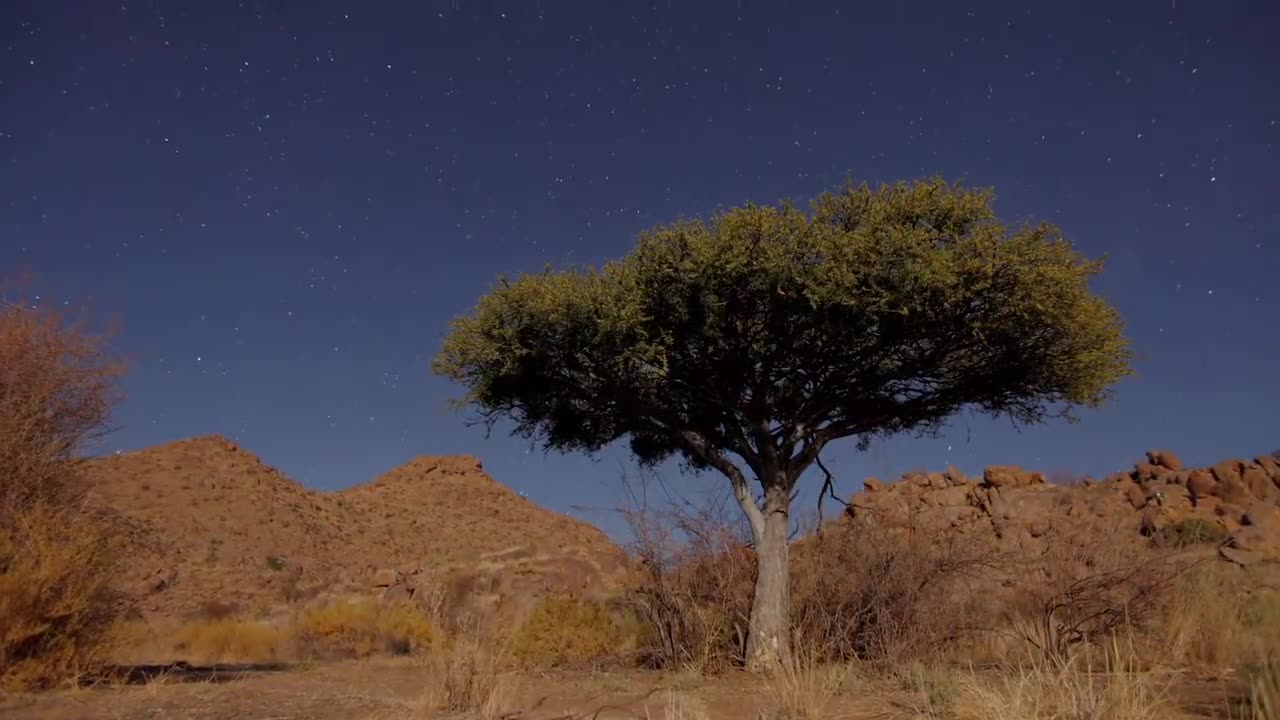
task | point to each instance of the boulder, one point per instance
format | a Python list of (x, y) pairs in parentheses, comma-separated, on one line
[(1258, 482), (1136, 497), (872, 485), (1002, 476), (1233, 491), (1201, 483), (1269, 465), (1227, 470), (1164, 459), (383, 577)]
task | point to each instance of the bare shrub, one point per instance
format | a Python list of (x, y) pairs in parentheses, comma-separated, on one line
[(1084, 588), (56, 392), (467, 677), (863, 591), (693, 596)]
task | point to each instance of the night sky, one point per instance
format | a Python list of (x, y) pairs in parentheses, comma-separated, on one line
[(285, 203)]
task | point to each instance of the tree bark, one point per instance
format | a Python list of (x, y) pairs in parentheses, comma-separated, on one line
[(769, 636)]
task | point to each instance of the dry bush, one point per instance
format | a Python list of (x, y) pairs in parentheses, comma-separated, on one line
[(566, 632), (57, 387), (359, 628), (1189, 532), (467, 678), (1084, 588), (55, 597), (693, 595), (235, 640), (1213, 619), (801, 688), (1069, 689), (868, 592)]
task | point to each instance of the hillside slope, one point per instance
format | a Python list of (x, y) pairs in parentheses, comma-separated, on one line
[(207, 522)]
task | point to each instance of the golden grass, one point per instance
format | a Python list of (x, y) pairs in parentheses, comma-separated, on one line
[(467, 677), (360, 628), (563, 632), (1072, 689), (236, 640), (800, 688), (57, 608)]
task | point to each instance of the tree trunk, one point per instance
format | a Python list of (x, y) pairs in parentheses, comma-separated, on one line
[(769, 637)]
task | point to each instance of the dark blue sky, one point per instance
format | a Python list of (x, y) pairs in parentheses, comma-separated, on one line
[(286, 202)]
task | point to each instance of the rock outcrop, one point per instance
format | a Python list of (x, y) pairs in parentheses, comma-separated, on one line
[(1241, 499)]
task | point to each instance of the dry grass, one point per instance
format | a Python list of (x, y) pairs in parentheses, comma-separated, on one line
[(1070, 689), (565, 632), (237, 640), (360, 628), (799, 688), (467, 677)]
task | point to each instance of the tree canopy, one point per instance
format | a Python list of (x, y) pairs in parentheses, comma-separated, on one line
[(767, 332)]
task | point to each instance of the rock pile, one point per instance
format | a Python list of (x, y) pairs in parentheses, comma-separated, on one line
[(1239, 500)]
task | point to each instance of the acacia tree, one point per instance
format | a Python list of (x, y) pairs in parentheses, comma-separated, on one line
[(747, 343)]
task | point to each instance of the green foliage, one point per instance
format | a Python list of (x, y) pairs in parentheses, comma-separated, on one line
[(1189, 532), (276, 563), (769, 331)]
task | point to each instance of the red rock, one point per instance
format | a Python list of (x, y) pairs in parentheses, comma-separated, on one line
[(1259, 484), (1001, 476), (1136, 497), (1234, 492), (872, 485), (1164, 459), (1201, 484), (1270, 465), (955, 477), (1227, 470), (1209, 504)]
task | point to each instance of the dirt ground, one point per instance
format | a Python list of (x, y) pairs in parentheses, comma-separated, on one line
[(392, 689)]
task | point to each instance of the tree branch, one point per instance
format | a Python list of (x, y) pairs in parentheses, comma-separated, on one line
[(741, 491)]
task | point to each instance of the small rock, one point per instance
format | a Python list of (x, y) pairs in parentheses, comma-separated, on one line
[(384, 577)]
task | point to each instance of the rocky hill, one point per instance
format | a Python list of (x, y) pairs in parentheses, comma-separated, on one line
[(1233, 505), (206, 522)]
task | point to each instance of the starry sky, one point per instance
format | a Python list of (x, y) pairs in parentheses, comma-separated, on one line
[(286, 202)]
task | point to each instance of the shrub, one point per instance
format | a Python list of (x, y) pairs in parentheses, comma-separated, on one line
[(868, 592), (566, 632), (467, 679), (1190, 532), (232, 639), (359, 628), (57, 387), (55, 597)]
